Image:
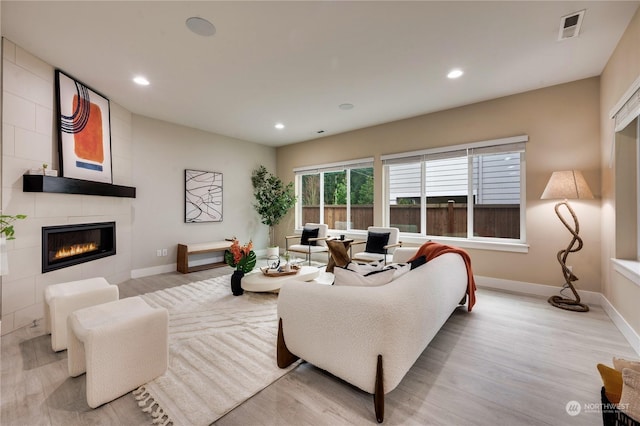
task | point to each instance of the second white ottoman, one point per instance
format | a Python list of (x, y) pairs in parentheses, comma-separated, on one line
[(121, 345), (64, 298)]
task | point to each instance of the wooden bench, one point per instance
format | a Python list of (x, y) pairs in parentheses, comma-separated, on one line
[(185, 250)]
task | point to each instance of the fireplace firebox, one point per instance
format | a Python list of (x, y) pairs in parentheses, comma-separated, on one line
[(68, 245)]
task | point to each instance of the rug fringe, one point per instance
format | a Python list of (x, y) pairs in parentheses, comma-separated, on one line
[(147, 403), (193, 331)]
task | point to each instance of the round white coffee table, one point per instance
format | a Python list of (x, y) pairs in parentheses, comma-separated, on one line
[(258, 282)]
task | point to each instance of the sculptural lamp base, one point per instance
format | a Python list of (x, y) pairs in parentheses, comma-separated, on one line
[(568, 304), (574, 246)]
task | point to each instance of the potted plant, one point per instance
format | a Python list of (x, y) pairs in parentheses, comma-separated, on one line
[(6, 225), (243, 258), (273, 200), (6, 233)]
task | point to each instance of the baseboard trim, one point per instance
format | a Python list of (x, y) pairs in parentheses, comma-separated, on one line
[(163, 269), (531, 289), (627, 331), (154, 270), (588, 297)]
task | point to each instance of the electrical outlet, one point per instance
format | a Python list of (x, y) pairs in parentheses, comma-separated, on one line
[(164, 252), (158, 252), (570, 268)]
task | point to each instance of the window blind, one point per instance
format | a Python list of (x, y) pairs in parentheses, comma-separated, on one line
[(335, 167), (510, 144), (628, 112)]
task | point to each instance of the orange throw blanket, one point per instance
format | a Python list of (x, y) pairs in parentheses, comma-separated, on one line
[(431, 250)]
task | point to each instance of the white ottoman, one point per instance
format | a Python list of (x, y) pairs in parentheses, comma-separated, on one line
[(62, 299), (121, 345)]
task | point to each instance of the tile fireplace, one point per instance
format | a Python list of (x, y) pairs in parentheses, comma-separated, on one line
[(67, 245)]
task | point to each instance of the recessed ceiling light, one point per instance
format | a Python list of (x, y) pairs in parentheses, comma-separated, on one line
[(345, 106), (142, 81), (455, 73), (279, 126), (200, 26)]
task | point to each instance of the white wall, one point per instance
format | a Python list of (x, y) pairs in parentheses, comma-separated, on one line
[(148, 154), (29, 139), (563, 128), (621, 71), (162, 151)]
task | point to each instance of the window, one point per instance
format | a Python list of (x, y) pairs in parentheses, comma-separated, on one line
[(626, 152), (625, 162), (469, 191), (627, 196), (339, 194)]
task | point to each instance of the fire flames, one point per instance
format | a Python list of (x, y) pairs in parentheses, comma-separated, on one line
[(75, 249)]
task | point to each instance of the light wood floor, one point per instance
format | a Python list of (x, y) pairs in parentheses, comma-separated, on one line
[(514, 360)]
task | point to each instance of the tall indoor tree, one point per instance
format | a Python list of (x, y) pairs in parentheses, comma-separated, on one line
[(273, 199)]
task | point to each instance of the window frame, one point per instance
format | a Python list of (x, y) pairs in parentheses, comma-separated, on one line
[(473, 149), (321, 169), (623, 113)]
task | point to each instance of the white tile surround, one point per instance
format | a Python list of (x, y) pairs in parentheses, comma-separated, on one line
[(28, 140)]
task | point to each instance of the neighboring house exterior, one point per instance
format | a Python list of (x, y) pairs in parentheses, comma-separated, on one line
[(496, 180)]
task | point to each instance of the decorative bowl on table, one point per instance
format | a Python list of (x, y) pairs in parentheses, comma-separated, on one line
[(270, 272)]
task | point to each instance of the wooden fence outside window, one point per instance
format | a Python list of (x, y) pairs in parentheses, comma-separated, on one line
[(447, 219)]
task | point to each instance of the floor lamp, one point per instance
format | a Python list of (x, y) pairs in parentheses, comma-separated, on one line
[(567, 185)]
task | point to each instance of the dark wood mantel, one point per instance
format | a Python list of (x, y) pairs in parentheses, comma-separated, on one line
[(54, 184)]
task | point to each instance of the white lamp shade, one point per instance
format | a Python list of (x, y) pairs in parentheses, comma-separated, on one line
[(569, 184)]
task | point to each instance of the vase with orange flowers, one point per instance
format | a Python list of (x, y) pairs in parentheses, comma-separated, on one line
[(243, 258)]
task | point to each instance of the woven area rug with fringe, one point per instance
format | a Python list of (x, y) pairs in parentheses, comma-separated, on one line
[(222, 351)]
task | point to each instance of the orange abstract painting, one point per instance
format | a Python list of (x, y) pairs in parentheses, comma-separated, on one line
[(88, 142), (85, 131)]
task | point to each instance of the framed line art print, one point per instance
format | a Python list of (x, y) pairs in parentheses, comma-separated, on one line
[(203, 196), (84, 131)]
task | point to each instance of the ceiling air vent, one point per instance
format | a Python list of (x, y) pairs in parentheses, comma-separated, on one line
[(570, 25)]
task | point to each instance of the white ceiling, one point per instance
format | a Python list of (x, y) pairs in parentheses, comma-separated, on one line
[(295, 62)]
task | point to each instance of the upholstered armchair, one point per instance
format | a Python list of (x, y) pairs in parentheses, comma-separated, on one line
[(312, 240), (380, 244)]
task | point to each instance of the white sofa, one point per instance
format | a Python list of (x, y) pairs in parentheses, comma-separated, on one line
[(370, 336)]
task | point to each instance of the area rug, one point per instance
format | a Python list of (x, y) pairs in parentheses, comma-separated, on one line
[(222, 351)]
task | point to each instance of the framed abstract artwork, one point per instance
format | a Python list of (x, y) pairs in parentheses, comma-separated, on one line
[(203, 196), (84, 126)]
